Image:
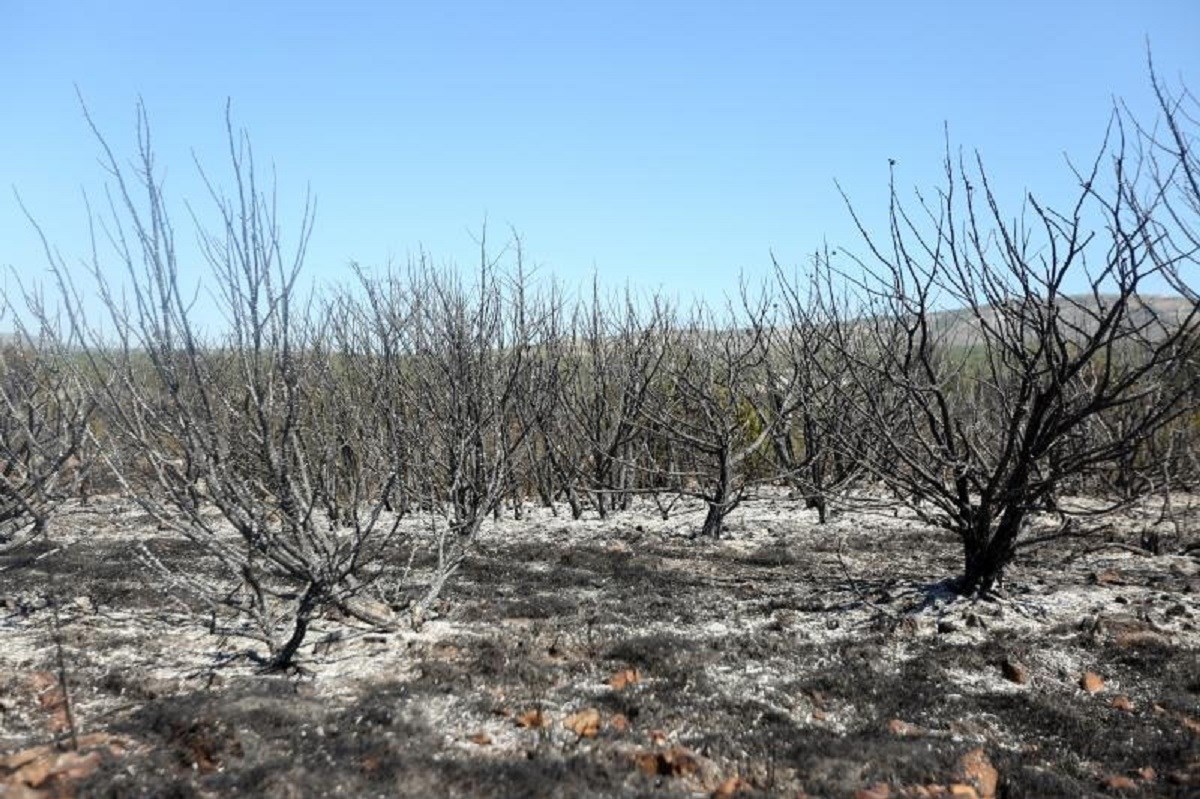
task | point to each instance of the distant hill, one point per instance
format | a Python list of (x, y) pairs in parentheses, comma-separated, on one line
[(961, 327)]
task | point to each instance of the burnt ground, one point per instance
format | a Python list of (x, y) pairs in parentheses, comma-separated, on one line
[(788, 659)]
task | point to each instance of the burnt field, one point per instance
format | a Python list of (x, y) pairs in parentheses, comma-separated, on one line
[(621, 658), (909, 510)]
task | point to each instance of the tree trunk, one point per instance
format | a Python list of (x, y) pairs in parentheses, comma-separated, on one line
[(818, 503), (518, 505), (601, 503), (573, 501), (719, 503), (987, 551), (600, 482), (283, 657), (714, 521)]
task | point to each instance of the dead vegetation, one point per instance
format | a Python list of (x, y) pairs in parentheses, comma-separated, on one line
[(918, 525), (616, 658)]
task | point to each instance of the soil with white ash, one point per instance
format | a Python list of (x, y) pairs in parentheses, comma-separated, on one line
[(621, 658)]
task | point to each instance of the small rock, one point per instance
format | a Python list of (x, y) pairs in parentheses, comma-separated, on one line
[(15, 760), (1014, 671), (673, 762), (1122, 703), (65, 767), (977, 770), (585, 723), (904, 729), (730, 788), (1091, 682), (623, 679), (1119, 782), (19, 790), (84, 604), (532, 720)]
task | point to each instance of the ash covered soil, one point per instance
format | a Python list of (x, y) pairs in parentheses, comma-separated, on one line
[(621, 658)]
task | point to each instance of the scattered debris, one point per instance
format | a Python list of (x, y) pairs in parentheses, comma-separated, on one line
[(585, 723), (905, 730), (623, 679), (977, 771), (544, 660), (1014, 671)]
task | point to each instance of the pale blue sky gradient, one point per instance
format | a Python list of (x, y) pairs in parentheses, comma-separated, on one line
[(669, 145)]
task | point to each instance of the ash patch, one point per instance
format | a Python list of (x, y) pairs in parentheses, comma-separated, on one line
[(789, 655)]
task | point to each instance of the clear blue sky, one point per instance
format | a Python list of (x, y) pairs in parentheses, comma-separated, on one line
[(667, 144)]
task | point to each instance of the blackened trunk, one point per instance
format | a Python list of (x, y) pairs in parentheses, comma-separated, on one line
[(714, 521), (818, 503), (987, 551), (601, 504), (719, 503), (283, 657), (576, 505), (518, 504), (544, 484)]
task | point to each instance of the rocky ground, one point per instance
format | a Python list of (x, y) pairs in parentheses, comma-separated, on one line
[(621, 658)]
